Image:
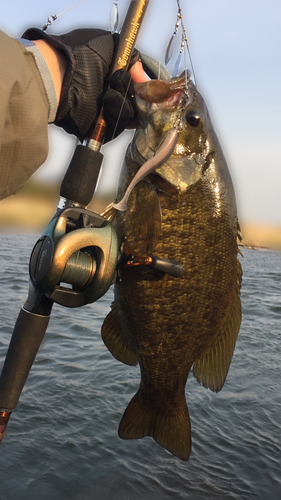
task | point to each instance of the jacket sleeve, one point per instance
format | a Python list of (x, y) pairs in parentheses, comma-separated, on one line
[(24, 111)]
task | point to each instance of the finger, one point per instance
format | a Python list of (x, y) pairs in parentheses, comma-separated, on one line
[(137, 73)]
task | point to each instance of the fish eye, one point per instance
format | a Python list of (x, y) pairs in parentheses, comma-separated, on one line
[(192, 118)]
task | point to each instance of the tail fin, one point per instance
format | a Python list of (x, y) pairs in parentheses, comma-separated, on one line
[(170, 430)]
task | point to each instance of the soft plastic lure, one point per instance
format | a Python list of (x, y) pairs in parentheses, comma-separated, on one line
[(162, 154)]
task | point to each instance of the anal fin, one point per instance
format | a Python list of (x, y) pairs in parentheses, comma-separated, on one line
[(170, 430), (115, 340)]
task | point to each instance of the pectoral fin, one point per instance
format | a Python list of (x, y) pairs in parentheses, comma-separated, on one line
[(145, 212), (115, 340), (212, 367)]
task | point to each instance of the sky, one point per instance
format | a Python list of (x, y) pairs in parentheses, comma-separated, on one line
[(236, 52)]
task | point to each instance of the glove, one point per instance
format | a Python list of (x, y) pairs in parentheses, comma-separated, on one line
[(89, 53), (119, 105)]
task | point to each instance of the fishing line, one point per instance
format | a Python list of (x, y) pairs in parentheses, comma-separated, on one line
[(121, 108), (159, 70), (51, 19), (185, 41), (183, 45)]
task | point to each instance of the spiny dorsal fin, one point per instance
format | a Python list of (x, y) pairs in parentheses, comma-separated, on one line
[(212, 367), (115, 340), (170, 430)]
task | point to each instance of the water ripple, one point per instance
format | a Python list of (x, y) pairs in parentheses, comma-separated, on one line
[(62, 439)]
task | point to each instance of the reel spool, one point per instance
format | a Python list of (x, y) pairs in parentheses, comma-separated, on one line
[(78, 248)]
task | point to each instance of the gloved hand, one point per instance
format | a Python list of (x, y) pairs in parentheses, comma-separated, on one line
[(89, 53), (119, 105)]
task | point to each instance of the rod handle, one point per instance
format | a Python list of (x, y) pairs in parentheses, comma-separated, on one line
[(26, 339)]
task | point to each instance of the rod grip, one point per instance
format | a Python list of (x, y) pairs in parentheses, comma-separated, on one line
[(81, 177), (27, 336)]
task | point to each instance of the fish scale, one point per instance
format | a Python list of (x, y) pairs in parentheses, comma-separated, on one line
[(190, 243), (168, 324)]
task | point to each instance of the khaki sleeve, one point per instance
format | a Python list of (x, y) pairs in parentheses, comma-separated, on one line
[(24, 110)]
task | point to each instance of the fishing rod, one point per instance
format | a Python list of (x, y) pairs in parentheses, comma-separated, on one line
[(78, 248)]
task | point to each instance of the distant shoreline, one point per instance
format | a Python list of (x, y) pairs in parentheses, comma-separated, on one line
[(32, 208), (260, 236)]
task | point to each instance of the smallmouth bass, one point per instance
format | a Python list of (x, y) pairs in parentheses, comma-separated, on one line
[(186, 211)]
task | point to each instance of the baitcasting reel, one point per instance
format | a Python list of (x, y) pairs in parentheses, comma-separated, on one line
[(78, 248)]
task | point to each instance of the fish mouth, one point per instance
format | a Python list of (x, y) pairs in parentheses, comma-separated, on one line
[(160, 91), (163, 105)]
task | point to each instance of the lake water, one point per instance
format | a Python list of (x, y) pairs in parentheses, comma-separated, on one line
[(62, 443)]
